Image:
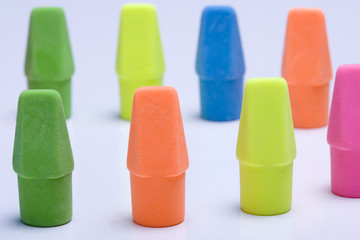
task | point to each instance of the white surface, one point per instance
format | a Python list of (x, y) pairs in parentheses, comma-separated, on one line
[(101, 190)]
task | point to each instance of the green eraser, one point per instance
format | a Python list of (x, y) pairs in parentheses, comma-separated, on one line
[(266, 147), (140, 60), (43, 159), (49, 61)]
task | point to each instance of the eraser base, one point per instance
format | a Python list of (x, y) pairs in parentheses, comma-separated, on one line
[(345, 172), (266, 190), (45, 202), (309, 105), (158, 201), (221, 99)]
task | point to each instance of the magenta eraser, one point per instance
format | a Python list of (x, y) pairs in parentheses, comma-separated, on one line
[(344, 132)]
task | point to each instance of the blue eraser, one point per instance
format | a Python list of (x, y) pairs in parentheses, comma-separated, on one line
[(220, 64)]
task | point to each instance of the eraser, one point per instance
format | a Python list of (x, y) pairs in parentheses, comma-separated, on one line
[(343, 132), (220, 64), (157, 158), (43, 159), (266, 147), (49, 62), (307, 67), (140, 60)]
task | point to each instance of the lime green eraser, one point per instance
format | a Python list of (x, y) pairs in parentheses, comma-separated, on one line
[(266, 147), (49, 61), (43, 159), (140, 60)]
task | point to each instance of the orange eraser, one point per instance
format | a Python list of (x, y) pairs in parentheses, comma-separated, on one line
[(157, 158), (307, 67)]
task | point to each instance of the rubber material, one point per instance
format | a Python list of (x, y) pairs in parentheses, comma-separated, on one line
[(43, 159), (49, 62), (220, 64), (266, 147), (221, 100), (45, 202), (307, 67), (151, 207), (343, 132), (266, 190), (157, 158), (345, 172), (140, 61), (306, 101)]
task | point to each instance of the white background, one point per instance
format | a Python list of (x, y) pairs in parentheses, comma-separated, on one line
[(101, 189)]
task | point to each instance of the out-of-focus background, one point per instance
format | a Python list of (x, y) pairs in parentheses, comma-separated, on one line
[(101, 188)]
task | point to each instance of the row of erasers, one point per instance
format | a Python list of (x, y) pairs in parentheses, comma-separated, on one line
[(157, 153)]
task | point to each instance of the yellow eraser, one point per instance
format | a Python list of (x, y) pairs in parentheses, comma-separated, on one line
[(140, 60), (266, 147)]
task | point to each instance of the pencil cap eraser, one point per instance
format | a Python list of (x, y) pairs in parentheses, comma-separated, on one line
[(42, 147), (48, 56), (157, 158), (343, 132), (43, 159), (157, 144), (49, 62), (266, 147), (140, 60), (307, 67), (220, 64)]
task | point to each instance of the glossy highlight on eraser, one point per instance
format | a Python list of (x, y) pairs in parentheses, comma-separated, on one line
[(266, 147), (306, 67), (220, 64), (343, 132), (157, 158)]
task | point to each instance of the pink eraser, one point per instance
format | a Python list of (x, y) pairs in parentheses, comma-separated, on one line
[(344, 132)]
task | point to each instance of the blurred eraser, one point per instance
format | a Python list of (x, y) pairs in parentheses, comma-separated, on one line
[(220, 64), (49, 62), (157, 158), (140, 60), (307, 67), (266, 147), (344, 131)]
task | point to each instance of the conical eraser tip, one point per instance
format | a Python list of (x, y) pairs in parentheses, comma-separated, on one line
[(48, 56), (42, 147), (220, 64), (157, 134), (219, 53), (266, 127)]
